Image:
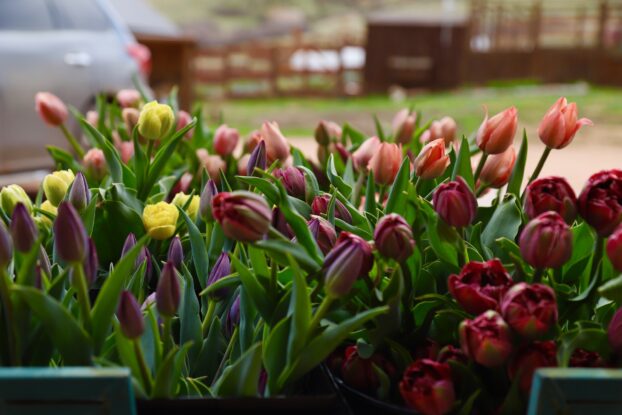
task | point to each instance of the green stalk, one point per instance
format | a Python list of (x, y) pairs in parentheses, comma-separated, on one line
[(320, 313), (167, 334), (211, 307), (77, 148), (536, 172), (5, 295), (81, 287), (142, 366), (274, 282), (480, 166), (234, 338), (357, 189), (208, 234)]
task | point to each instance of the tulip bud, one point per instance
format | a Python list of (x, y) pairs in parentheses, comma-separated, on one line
[(11, 195), (129, 98), (560, 124), (91, 262), (212, 164), (394, 237), (253, 140), (181, 199), (55, 185), (155, 120), (126, 150), (80, 195), (486, 339), (130, 119), (257, 158), (143, 255), (293, 180), (49, 208), (444, 128), (92, 117), (551, 194), (455, 203), (428, 388), (496, 134), (183, 184), (277, 147), (403, 126), (530, 309), (600, 202), (432, 160), (70, 239), (585, 358), (225, 140), (183, 119), (498, 168), (176, 252), (51, 109), (530, 357), (205, 203), (385, 163), (320, 207), (546, 241), (160, 220), (614, 249), (480, 286), (350, 259), (244, 216), (233, 317), (614, 332), (95, 163), (6, 246), (167, 291), (221, 269), (23, 229), (362, 155), (130, 317), (323, 232), (359, 372), (325, 131), (280, 223)]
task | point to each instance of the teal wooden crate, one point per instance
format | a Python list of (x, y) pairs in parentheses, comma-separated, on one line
[(66, 391), (576, 391)]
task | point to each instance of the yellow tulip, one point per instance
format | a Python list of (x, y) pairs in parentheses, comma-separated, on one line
[(55, 185), (160, 220), (181, 199), (11, 195), (47, 206), (155, 120)]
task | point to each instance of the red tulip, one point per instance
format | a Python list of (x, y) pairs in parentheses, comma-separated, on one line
[(323, 232), (320, 207), (614, 332), (403, 126), (498, 168), (350, 259), (385, 163), (551, 193), (359, 372), (530, 309), (394, 237), (496, 134), (529, 358), (362, 155), (277, 147), (455, 203), (546, 241), (614, 249), (560, 124), (225, 140), (486, 339), (244, 216), (586, 358), (427, 387), (432, 160), (51, 109), (600, 202), (293, 180)]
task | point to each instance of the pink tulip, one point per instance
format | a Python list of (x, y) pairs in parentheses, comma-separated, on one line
[(51, 109), (404, 126), (444, 128), (385, 163), (496, 134), (498, 168), (560, 124), (277, 147), (546, 241), (128, 98), (212, 164), (183, 119), (225, 140), (95, 163), (126, 150), (362, 155), (432, 160)]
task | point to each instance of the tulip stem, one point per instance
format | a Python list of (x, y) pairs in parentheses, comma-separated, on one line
[(537, 275), (536, 172), (211, 307), (274, 282), (357, 189), (274, 233), (232, 340), (480, 166), (481, 190), (72, 141), (167, 334), (5, 295), (383, 190), (81, 287), (142, 365), (320, 312), (208, 234)]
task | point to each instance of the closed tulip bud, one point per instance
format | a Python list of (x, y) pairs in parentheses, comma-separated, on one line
[(91, 262), (11, 195), (181, 200), (560, 124), (432, 160), (319, 206), (129, 98), (183, 184), (95, 163), (614, 332), (51, 109), (614, 249), (183, 119), (277, 147), (530, 357), (257, 158), (126, 150), (212, 164), (48, 208), (486, 339), (225, 140), (242, 165), (6, 246), (551, 194), (130, 119), (70, 239), (428, 388), (143, 255), (403, 126), (455, 203), (176, 253), (233, 317), (280, 223), (498, 168), (394, 237), (600, 202), (155, 120), (253, 140), (221, 269), (92, 117), (160, 220), (244, 216), (530, 309), (130, 317), (385, 163), (325, 131), (480, 286), (323, 232), (362, 155), (205, 203), (55, 185), (444, 128), (350, 259), (80, 195), (496, 134), (167, 291), (360, 372), (293, 180), (23, 229), (546, 241)]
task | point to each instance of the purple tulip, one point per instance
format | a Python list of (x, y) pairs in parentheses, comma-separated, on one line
[(257, 159), (130, 317), (91, 262), (244, 216), (23, 229), (176, 252), (455, 203), (6, 246), (350, 259), (323, 232), (221, 269), (80, 195), (293, 180), (205, 204), (167, 292), (546, 241), (394, 237), (70, 238)]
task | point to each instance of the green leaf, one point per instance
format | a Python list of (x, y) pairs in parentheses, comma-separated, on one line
[(592, 339), (300, 311), (127, 355), (462, 166), (518, 172), (255, 290), (379, 129), (395, 202), (189, 321), (313, 188), (504, 223), (169, 373), (242, 377), (198, 249), (279, 250), (225, 282), (63, 159), (274, 359), (268, 189), (140, 160), (211, 353), (612, 289), (356, 136), (335, 179), (110, 152), (370, 196)]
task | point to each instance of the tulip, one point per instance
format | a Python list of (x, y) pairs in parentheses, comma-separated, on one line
[(257, 159), (560, 124), (80, 195), (23, 229), (325, 131), (205, 203), (212, 164), (55, 185), (130, 119), (183, 184), (11, 195), (92, 117), (47, 207), (530, 309), (551, 194), (498, 168), (181, 200), (403, 126), (432, 160), (6, 246), (277, 147), (244, 216), (221, 269), (496, 134), (70, 239), (394, 237), (130, 317), (323, 232), (160, 220), (176, 253), (614, 332), (480, 286), (183, 119), (155, 120), (320, 204), (167, 291), (91, 262), (126, 150), (427, 387), (486, 339), (129, 98), (143, 255), (455, 203), (51, 109), (546, 241), (360, 373), (600, 202), (362, 155), (529, 358), (242, 165), (385, 163), (225, 140), (586, 358), (233, 317), (95, 163), (350, 259), (614, 249), (280, 223), (293, 180), (444, 128), (253, 140)]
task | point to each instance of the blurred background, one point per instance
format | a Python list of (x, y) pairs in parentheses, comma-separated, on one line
[(297, 62)]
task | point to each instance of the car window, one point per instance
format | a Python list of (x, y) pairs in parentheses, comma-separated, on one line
[(80, 15), (25, 15)]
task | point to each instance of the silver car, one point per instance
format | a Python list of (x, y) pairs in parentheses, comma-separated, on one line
[(72, 48)]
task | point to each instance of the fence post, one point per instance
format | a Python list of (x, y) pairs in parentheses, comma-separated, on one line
[(275, 69), (602, 23), (536, 25), (498, 26)]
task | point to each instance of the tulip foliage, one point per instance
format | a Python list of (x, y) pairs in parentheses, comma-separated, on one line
[(420, 280)]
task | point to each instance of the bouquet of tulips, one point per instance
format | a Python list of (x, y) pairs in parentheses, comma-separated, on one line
[(210, 272)]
